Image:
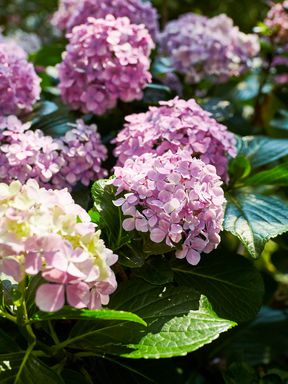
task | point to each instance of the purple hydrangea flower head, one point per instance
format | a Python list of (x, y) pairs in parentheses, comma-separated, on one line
[(201, 47), (277, 21), (106, 60), (176, 124), (19, 83), (45, 232), (72, 13), (54, 163), (82, 153), (176, 198)]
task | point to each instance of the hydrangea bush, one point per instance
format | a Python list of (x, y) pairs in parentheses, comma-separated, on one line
[(143, 192)]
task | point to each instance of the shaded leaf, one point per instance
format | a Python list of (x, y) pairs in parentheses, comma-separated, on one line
[(255, 219), (230, 282), (261, 150), (275, 176)]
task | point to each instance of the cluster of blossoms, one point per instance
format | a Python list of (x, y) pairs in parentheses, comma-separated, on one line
[(82, 153), (19, 83), (21, 43), (201, 47), (176, 124), (57, 163), (46, 232), (72, 13), (176, 198), (105, 60), (12, 48), (277, 21)]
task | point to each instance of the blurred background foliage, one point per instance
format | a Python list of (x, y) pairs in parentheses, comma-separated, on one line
[(33, 14)]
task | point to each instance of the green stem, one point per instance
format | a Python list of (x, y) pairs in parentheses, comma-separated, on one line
[(24, 321), (53, 333), (8, 316), (24, 361)]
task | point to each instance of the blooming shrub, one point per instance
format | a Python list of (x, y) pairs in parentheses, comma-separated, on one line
[(174, 197), (150, 240), (176, 123), (46, 232), (19, 84), (57, 163), (106, 60), (72, 13), (200, 47)]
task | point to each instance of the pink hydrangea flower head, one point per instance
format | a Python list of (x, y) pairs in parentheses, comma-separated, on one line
[(45, 232), (176, 198), (201, 47), (26, 154), (83, 154), (72, 13), (176, 124), (12, 48), (106, 60), (54, 163), (19, 83), (277, 21)]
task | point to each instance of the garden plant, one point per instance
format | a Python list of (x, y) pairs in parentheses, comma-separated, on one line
[(143, 192)]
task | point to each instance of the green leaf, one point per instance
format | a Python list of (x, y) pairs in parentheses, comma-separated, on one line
[(261, 150), (280, 122), (32, 371), (158, 306), (255, 219), (245, 371), (263, 341), (231, 283), (153, 93), (275, 176), (183, 334), (132, 247), (220, 109), (54, 124), (156, 271), (239, 168), (49, 54), (107, 216), (7, 344), (85, 314)]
